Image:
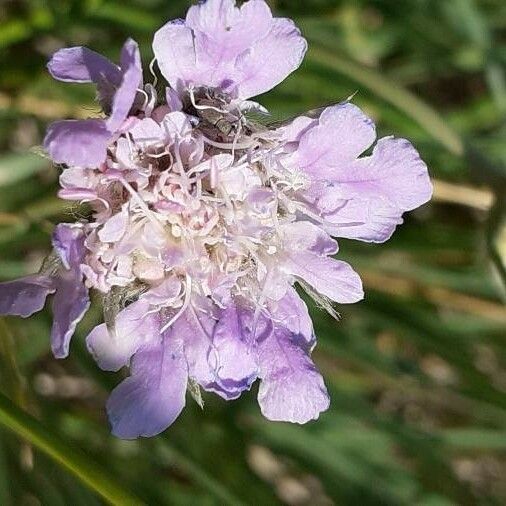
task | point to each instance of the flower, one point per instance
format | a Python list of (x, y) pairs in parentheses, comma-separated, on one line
[(202, 222)]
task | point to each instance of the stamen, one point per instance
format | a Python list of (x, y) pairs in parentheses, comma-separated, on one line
[(229, 146), (147, 212), (153, 73), (204, 107), (186, 304)]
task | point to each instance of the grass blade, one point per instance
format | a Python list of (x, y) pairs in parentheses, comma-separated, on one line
[(73, 459), (396, 95)]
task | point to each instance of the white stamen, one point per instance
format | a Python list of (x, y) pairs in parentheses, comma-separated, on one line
[(153, 73), (186, 303)]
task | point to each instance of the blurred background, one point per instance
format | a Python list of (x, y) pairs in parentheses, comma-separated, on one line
[(416, 372)]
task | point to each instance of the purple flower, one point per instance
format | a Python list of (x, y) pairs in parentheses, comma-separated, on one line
[(27, 295), (201, 223), (243, 51), (83, 143)]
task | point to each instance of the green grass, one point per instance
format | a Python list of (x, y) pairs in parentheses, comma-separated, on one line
[(417, 372)]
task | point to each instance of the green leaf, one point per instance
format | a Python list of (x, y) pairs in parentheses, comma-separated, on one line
[(5, 496), (17, 167), (128, 16), (200, 475), (14, 31), (10, 373), (475, 439), (70, 457), (496, 236), (396, 95)]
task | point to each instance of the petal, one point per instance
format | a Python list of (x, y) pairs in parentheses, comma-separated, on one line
[(174, 50), (365, 219), (242, 50), (332, 278), (147, 402), (68, 242), (70, 303), (305, 236), (81, 65), (77, 194), (291, 389), (71, 300), (25, 296), (176, 125), (173, 101), (380, 188), (291, 313), (135, 328), (146, 133), (236, 180), (294, 130), (229, 30), (195, 327), (270, 60), (80, 184), (237, 366), (115, 227), (211, 356), (81, 143), (131, 81), (343, 133), (397, 172), (165, 294)]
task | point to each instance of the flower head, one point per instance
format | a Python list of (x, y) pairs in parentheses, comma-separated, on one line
[(202, 221)]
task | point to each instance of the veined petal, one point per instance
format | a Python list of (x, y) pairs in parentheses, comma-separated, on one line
[(146, 133), (79, 184), (379, 189), (150, 400), (68, 242), (81, 143), (243, 51), (70, 304), (135, 328), (82, 65), (271, 60), (293, 131), (291, 313), (343, 133), (236, 356), (229, 30), (115, 227), (25, 296), (291, 389), (195, 328), (305, 236), (395, 170), (333, 278), (365, 219), (71, 300), (124, 97), (174, 49)]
